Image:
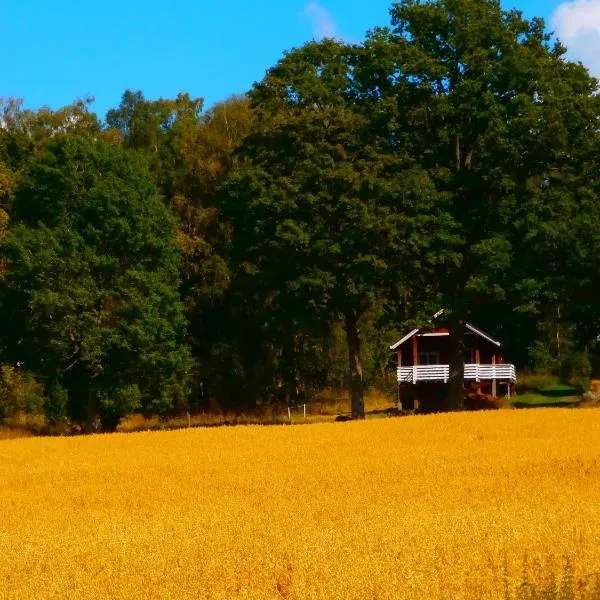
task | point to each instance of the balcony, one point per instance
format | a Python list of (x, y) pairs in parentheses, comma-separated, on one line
[(473, 372)]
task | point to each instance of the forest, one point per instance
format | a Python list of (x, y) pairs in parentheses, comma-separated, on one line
[(170, 257)]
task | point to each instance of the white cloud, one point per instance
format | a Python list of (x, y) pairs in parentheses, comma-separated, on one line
[(323, 23), (577, 25)]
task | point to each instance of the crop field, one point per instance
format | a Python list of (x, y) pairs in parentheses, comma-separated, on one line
[(490, 505)]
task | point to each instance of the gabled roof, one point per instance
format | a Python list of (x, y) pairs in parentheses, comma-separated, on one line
[(482, 334), (470, 327), (404, 339)]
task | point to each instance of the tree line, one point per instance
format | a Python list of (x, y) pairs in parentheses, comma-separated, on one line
[(169, 257)]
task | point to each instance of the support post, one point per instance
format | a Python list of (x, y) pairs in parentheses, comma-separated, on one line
[(415, 350), (494, 389), (455, 399), (399, 355), (415, 353)]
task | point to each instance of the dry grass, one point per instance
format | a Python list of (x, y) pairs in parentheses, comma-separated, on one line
[(21, 426), (13, 432), (324, 409), (434, 507)]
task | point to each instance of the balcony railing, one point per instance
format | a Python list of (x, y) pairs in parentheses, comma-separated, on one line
[(473, 372)]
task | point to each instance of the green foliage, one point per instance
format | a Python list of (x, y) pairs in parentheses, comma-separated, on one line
[(56, 404), (122, 401), (20, 393), (326, 219), (534, 381), (190, 154), (577, 370), (288, 236), (93, 257), (477, 96), (542, 358)]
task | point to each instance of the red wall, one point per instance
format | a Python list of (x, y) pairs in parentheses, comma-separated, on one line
[(441, 344)]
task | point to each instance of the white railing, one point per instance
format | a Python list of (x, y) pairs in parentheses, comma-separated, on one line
[(423, 373), (473, 372), (488, 372)]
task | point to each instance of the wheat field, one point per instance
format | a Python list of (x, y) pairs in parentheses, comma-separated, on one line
[(487, 505)]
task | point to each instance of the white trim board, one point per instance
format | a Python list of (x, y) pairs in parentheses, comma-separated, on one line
[(404, 339), (470, 327), (483, 335)]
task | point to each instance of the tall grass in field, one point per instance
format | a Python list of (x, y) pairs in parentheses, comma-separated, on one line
[(500, 505)]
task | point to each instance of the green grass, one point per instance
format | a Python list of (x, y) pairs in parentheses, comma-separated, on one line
[(548, 396)]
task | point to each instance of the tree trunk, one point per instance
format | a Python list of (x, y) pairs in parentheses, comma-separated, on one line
[(356, 372), (110, 422), (455, 400), (290, 369), (91, 423)]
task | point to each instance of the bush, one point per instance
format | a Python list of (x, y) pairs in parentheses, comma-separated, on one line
[(577, 370), (124, 400), (590, 398), (595, 360), (541, 358), (533, 382), (20, 393), (56, 405)]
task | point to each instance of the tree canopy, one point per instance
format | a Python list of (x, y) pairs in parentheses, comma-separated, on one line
[(327, 221), (486, 103), (90, 298), (177, 257)]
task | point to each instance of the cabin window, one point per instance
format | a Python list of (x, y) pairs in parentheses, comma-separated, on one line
[(469, 356), (429, 358)]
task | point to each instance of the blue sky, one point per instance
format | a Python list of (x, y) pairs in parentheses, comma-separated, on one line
[(55, 52)]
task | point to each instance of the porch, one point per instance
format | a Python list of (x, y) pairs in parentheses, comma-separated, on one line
[(441, 373)]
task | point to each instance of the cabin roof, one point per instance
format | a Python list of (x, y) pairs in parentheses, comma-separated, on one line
[(469, 327)]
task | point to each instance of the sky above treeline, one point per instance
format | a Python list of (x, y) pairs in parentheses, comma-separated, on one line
[(57, 52)]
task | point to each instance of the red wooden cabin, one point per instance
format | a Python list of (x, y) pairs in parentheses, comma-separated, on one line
[(423, 357)]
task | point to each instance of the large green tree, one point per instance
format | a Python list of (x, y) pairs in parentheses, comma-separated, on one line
[(327, 220), (90, 297), (191, 153), (487, 104)]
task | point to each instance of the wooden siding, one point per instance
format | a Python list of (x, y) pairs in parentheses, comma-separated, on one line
[(488, 353)]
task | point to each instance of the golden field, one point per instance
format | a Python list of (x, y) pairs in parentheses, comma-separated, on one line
[(479, 505)]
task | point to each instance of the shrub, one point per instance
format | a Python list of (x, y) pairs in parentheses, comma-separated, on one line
[(56, 405), (541, 358), (590, 398), (19, 393), (531, 382), (577, 370)]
